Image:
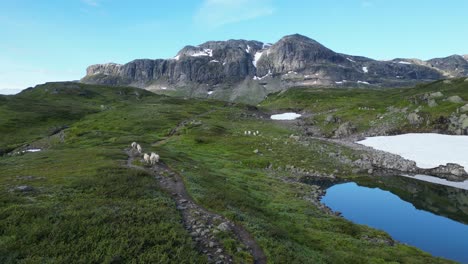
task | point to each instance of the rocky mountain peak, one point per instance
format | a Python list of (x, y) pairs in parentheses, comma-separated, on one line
[(296, 53), (247, 70)]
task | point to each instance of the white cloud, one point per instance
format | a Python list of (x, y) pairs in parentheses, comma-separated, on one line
[(216, 13)]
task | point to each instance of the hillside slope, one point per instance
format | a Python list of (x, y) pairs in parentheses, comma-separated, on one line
[(76, 201)]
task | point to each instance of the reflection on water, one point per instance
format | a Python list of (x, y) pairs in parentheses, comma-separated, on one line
[(460, 185), (399, 215)]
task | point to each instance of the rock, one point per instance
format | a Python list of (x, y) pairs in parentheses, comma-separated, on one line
[(451, 172), (464, 108), (436, 95), (211, 244), (459, 125), (414, 119), (345, 129), (455, 99), (24, 188), (447, 82), (296, 138), (432, 103), (330, 119), (224, 227)]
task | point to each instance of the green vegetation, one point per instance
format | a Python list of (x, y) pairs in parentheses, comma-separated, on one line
[(85, 206)]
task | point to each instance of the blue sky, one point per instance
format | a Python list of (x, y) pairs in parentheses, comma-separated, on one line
[(55, 40)]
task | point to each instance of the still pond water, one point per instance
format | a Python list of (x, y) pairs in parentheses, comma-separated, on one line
[(432, 232)]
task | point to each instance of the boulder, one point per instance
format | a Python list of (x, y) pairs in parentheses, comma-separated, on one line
[(345, 129), (450, 171), (330, 119), (224, 227), (464, 108), (459, 124), (455, 99), (436, 95), (432, 103), (414, 119)]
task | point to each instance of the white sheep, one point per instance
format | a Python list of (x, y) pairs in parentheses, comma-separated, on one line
[(146, 158), (134, 144), (154, 158), (138, 148), (248, 132)]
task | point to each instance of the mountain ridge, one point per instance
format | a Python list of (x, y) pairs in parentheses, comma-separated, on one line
[(248, 70)]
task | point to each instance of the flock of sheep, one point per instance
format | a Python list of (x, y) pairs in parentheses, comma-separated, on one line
[(151, 159), (254, 133)]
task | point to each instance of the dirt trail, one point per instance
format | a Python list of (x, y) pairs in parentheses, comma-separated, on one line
[(199, 222)]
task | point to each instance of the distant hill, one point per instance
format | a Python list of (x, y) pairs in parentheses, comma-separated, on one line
[(242, 70)]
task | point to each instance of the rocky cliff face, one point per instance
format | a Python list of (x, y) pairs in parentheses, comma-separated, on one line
[(248, 70)]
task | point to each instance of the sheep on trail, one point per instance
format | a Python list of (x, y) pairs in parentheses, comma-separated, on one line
[(146, 158), (138, 148), (154, 158)]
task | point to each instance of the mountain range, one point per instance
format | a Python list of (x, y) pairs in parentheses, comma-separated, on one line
[(247, 70)]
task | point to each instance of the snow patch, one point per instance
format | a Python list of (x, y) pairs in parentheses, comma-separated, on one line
[(365, 70), (266, 45), (404, 62), (427, 150), (177, 57), (209, 92), (363, 82), (350, 60), (285, 116), (261, 78), (214, 61), (33, 150), (247, 49), (257, 56), (436, 180), (205, 52), (164, 88)]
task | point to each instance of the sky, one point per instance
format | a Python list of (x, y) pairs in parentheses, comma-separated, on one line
[(55, 40)]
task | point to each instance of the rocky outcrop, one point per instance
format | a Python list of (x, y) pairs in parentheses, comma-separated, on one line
[(452, 66), (458, 124), (451, 172), (344, 130), (240, 70), (414, 119)]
